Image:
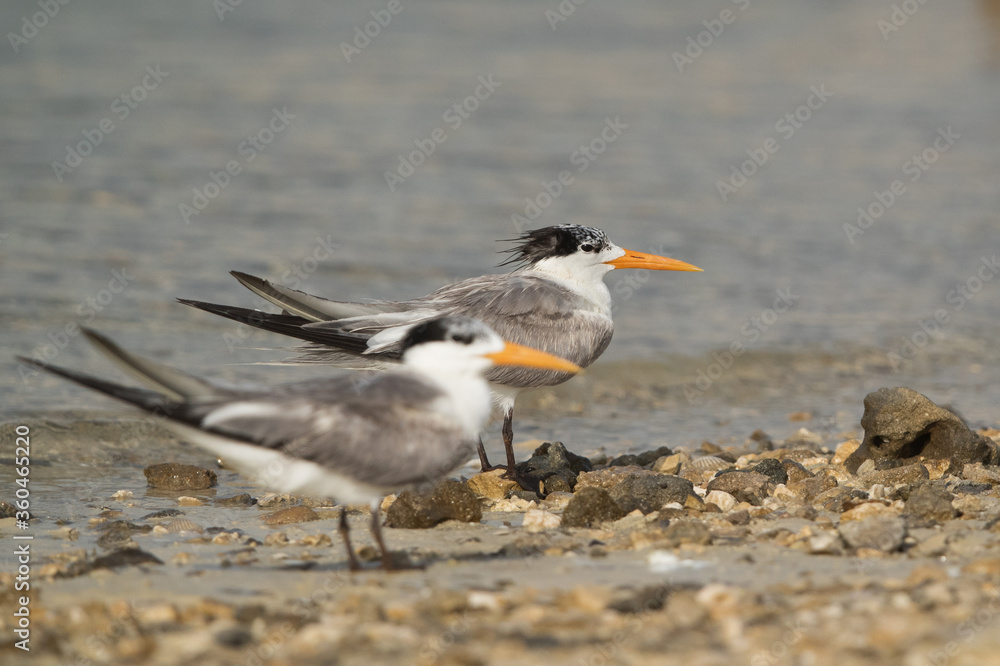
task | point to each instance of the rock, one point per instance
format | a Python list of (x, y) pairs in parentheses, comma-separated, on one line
[(165, 513), (721, 499), (867, 510), (773, 469), (640, 459), (175, 476), (804, 438), (449, 500), (680, 532), (884, 533), (979, 473), (671, 464), (293, 514), (275, 499), (492, 485), (125, 557), (243, 499), (931, 503), (809, 489), (555, 467), (119, 534), (900, 423), (749, 487), (538, 520), (896, 475), (590, 507), (844, 451), (795, 471), (649, 493), (762, 440), (800, 416), (610, 477)]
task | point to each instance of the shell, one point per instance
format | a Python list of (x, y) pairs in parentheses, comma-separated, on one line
[(184, 525), (709, 464)]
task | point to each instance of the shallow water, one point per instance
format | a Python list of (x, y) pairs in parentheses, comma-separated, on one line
[(107, 245)]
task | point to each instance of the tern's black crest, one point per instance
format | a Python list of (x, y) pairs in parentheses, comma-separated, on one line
[(454, 329), (558, 241)]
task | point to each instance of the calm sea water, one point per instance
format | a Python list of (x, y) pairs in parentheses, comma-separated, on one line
[(260, 141)]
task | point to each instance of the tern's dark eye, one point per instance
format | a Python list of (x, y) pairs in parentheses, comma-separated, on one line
[(459, 337), (587, 247)]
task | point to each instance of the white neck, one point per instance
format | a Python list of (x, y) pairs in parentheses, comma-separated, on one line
[(468, 398), (587, 281)]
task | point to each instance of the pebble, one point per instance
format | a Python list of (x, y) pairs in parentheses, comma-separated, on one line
[(492, 485), (773, 469), (749, 487), (555, 466), (884, 533), (931, 503), (590, 507), (539, 520), (449, 500), (294, 514), (648, 493), (672, 464), (721, 499), (243, 499), (175, 476), (897, 475)]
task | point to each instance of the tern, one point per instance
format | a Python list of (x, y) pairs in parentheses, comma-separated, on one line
[(353, 439), (554, 300)]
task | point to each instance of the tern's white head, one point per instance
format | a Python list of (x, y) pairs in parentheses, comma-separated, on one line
[(583, 254), (462, 345)]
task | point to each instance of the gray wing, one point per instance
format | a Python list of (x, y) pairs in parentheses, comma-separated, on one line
[(524, 309), (377, 429)]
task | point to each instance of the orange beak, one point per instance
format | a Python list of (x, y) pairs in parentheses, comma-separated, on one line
[(513, 354), (632, 259)]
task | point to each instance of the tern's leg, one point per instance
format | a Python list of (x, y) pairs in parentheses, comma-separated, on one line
[(346, 536), (377, 533), (484, 462), (508, 437)]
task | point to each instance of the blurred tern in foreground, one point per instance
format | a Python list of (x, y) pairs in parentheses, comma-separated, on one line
[(555, 300), (353, 439)]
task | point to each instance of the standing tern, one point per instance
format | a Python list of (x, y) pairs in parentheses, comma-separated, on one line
[(555, 300), (353, 439)]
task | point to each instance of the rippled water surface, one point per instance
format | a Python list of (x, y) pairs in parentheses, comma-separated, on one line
[(838, 109)]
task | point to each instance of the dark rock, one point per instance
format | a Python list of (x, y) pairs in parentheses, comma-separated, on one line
[(590, 507), (233, 637), (762, 439), (885, 533), (531, 495), (625, 460), (293, 514), (931, 503), (175, 476), (119, 534), (165, 513), (647, 599), (749, 487), (772, 469), (123, 558), (7, 510), (650, 492), (970, 488), (555, 467), (741, 517), (610, 477), (449, 500), (795, 471), (650, 457), (900, 423), (243, 499)]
